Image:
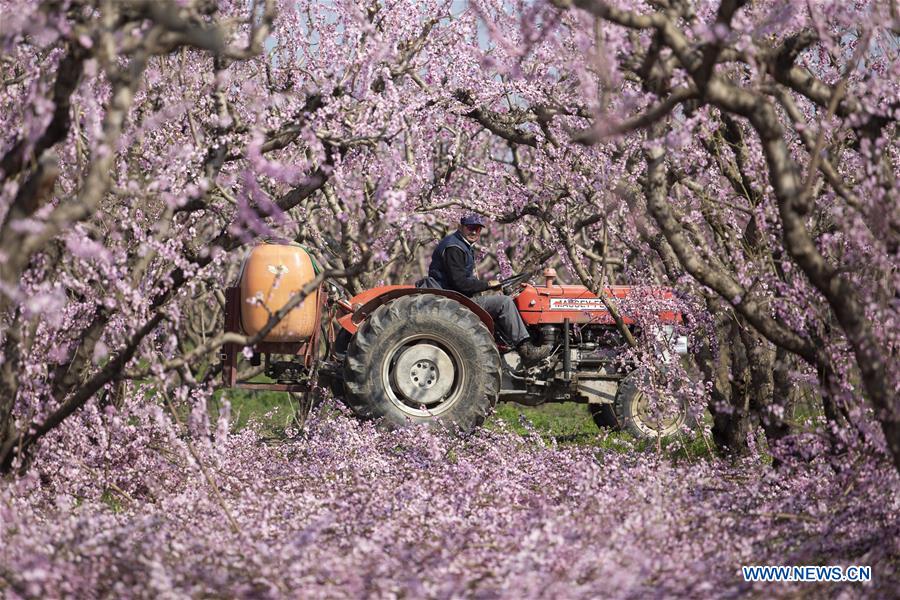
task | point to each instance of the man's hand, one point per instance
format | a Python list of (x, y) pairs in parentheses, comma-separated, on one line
[(494, 284)]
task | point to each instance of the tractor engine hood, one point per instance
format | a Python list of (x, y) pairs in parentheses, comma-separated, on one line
[(555, 303)]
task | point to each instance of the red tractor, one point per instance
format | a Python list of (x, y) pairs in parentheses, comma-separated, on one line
[(403, 354)]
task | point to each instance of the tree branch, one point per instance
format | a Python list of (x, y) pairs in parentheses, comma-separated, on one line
[(497, 123)]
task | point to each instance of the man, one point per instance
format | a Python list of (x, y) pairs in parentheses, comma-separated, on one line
[(453, 268)]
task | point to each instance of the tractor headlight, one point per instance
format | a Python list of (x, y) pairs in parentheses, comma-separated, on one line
[(679, 342)]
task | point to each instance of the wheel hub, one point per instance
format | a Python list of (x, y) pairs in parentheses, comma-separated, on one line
[(658, 421), (423, 374)]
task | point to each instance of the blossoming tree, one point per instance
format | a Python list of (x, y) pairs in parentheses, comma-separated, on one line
[(743, 154), (754, 148), (147, 142)]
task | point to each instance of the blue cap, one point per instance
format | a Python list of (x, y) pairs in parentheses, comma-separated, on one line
[(472, 219)]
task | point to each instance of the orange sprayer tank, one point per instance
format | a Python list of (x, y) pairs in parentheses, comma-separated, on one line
[(272, 273)]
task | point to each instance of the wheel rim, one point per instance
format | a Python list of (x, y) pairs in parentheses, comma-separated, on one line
[(653, 424), (423, 375)]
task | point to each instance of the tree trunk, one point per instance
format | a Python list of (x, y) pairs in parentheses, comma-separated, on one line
[(730, 427), (763, 402), (724, 364)]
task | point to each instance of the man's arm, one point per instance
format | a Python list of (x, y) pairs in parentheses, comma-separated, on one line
[(455, 263)]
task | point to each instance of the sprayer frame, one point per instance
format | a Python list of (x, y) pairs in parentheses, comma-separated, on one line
[(308, 349)]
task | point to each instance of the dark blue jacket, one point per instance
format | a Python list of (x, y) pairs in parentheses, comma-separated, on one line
[(455, 270)]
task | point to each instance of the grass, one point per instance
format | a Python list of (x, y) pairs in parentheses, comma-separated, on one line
[(566, 423), (570, 423), (113, 501), (272, 411)]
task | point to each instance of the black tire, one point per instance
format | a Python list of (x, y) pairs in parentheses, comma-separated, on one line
[(604, 416), (342, 341), (423, 359), (631, 413), (336, 383)]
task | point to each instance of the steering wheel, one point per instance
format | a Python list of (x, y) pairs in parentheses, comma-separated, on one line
[(510, 284)]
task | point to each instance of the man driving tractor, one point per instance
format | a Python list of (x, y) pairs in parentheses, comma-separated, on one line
[(401, 354), (453, 268)]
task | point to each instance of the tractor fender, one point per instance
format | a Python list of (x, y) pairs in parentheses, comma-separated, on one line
[(364, 304)]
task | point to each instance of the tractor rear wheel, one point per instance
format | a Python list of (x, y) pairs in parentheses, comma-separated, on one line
[(423, 359)]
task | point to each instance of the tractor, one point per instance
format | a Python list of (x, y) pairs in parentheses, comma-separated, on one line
[(402, 354)]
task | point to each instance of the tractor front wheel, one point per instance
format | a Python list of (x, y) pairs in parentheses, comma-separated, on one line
[(635, 412), (423, 359), (644, 418), (604, 416)]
